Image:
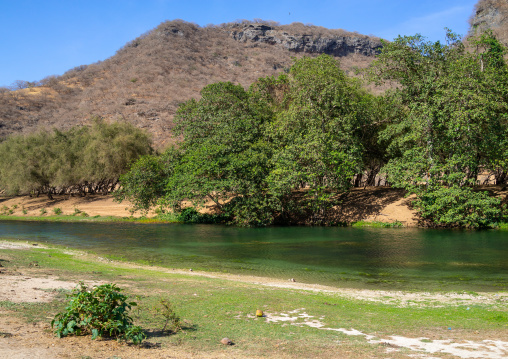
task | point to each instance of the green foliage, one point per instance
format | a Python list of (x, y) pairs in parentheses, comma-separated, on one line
[(316, 132), (284, 148), (459, 206), (224, 152), (191, 216), (81, 159), (172, 322), (452, 126), (247, 151), (145, 183), (101, 311), (43, 211), (57, 211)]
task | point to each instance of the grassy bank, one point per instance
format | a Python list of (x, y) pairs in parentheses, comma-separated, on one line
[(213, 308)]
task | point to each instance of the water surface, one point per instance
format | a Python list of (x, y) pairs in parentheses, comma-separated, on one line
[(347, 257)]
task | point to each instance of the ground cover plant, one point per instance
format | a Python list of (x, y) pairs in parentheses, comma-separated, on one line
[(101, 311)]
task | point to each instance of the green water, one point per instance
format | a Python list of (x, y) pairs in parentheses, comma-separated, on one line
[(343, 257)]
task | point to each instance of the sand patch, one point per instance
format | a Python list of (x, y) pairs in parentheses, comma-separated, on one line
[(27, 289), (92, 205)]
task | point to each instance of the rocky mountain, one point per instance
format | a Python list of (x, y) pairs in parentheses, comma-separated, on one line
[(335, 45), (493, 15), (146, 80)]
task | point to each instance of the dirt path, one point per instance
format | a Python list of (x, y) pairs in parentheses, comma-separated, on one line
[(19, 340), (92, 205)]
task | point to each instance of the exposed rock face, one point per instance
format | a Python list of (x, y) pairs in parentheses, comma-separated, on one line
[(491, 15), (331, 45)]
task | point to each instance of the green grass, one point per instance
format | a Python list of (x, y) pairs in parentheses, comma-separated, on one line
[(375, 224), (215, 308)]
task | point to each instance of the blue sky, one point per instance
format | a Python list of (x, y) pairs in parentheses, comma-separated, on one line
[(39, 38)]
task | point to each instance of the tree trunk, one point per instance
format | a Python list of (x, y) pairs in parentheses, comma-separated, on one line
[(358, 180)]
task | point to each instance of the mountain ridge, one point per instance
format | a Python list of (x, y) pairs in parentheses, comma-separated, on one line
[(146, 80)]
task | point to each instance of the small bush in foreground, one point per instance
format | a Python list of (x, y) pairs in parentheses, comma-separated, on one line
[(172, 322), (100, 311)]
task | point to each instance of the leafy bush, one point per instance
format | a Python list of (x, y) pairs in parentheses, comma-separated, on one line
[(459, 206), (191, 215), (57, 211), (100, 311)]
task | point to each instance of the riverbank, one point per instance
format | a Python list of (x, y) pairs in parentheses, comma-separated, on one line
[(374, 205), (301, 320)]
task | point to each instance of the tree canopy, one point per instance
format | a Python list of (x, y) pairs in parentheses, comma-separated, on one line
[(82, 159), (288, 145), (453, 124)]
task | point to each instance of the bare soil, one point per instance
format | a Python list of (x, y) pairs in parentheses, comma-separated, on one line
[(92, 205), (380, 204)]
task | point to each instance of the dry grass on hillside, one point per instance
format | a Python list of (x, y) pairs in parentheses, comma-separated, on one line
[(150, 76)]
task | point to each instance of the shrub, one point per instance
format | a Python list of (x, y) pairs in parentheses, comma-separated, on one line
[(191, 215), (101, 312), (172, 322), (43, 211), (459, 206), (57, 211)]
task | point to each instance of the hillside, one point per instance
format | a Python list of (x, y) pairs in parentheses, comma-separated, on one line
[(146, 80), (493, 15)]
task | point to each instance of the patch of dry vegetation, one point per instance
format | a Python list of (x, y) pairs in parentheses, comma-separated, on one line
[(150, 76)]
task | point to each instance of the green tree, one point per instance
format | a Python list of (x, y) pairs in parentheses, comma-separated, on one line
[(80, 158), (316, 132), (253, 153), (145, 183), (224, 154), (453, 127)]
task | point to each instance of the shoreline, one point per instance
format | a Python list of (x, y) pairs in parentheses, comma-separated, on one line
[(405, 297), (299, 320), (371, 206)]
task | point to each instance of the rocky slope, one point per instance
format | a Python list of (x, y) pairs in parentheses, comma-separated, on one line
[(333, 44), (493, 15), (146, 80)]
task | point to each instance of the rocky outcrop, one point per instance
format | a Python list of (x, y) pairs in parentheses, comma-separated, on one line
[(335, 45), (490, 15)]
